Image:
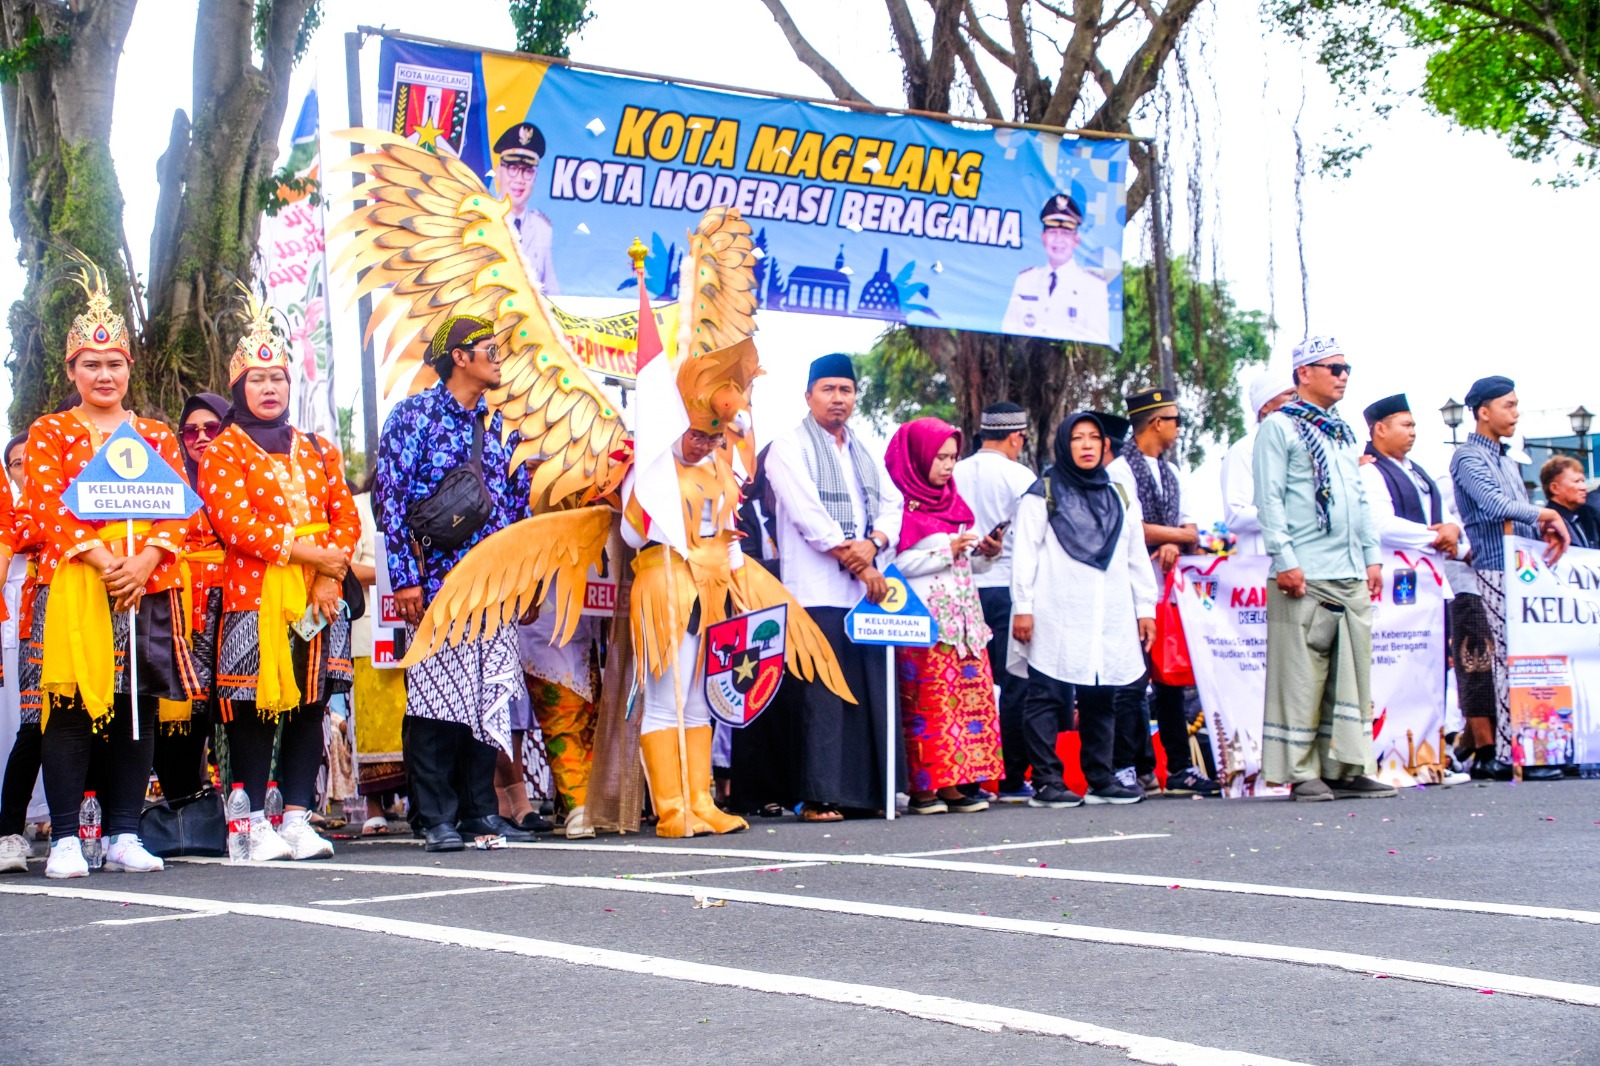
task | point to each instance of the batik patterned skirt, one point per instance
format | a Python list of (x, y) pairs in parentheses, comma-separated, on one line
[(471, 684), (947, 710), (321, 665)]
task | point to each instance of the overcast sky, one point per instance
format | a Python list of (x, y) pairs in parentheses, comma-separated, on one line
[(1439, 260)]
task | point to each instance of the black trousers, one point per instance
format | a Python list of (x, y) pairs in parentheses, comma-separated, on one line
[(1046, 703), (1013, 689), (179, 760), (22, 770), (121, 765), (1109, 720), (1166, 706), (451, 771), (250, 740)]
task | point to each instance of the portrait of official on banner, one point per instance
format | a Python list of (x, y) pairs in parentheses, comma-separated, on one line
[(886, 217)]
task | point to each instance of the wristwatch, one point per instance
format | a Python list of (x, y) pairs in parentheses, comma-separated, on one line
[(874, 535)]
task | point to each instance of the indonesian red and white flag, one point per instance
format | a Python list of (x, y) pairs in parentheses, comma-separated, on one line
[(660, 418)]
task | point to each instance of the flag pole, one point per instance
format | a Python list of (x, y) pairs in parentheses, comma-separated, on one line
[(133, 650)]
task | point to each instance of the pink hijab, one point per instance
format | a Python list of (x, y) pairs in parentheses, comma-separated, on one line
[(928, 509)]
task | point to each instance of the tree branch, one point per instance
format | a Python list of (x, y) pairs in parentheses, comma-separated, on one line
[(987, 43), (1143, 69), (980, 84), (830, 75), (1031, 93), (1075, 62), (944, 45), (912, 57)]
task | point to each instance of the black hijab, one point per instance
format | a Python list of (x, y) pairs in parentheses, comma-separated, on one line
[(208, 401), (1086, 512), (274, 435)]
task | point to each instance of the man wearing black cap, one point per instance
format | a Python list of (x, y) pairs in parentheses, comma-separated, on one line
[(1169, 531), (1407, 506), (1489, 492), (993, 481), (1060, 299), (457, 719), (837, 516), (519, 150)]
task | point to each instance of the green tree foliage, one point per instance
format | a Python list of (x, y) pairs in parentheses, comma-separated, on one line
[(545, 26), (1214, 340), (1527, 71)]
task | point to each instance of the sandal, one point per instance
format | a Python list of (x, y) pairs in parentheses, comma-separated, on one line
[(820, 812), (770, 810), (375, 826)]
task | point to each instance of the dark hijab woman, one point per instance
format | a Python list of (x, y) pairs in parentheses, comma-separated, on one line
[(1083, 611), (280, 505)]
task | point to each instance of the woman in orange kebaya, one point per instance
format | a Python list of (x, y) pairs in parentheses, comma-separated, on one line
[(278, 501), (88, 583)]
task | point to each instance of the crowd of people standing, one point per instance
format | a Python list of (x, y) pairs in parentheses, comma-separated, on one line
[(1042, 588)]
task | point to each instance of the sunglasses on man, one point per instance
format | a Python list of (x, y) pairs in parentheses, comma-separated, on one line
[(1338, 370)]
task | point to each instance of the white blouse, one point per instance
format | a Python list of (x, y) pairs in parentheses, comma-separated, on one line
[(1085, 621)]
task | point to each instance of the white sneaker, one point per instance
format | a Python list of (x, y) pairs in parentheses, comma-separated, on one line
[(265, 843), (14, 852), (303, 841), (126, 854), (66, 859)]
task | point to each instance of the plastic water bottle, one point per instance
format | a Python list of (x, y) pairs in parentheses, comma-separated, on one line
[(89, 831), (272, 806), (238, 815)]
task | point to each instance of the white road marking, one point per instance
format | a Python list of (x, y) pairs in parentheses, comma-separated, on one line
[(1032, 844), (983, 1017), (421, 895), (1514, 910), (723, 870), (1404, 969), (159, 918)]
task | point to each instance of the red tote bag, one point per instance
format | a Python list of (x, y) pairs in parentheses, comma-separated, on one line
[(1169, 656)]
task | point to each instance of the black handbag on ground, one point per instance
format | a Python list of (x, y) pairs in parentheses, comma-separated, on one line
[(459, 505), (351, 590), (187, 825)]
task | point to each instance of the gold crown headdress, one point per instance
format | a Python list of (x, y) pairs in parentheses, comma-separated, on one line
[(261, 347), (716, 385), (100, 328)]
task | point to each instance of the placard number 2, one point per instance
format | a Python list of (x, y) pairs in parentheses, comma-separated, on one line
[(128, 460)]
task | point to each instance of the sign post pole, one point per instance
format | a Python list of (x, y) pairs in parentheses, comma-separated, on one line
[(891, 702), (133, 650)]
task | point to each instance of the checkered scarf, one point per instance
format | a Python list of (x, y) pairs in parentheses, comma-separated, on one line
[(1315, 427), (822, 463)]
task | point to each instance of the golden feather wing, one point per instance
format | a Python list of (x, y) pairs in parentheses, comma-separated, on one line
[(509, 571), (807, 654), (718, 284), (432, 237)]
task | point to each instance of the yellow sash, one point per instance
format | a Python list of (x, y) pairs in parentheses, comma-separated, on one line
[(283, 601), (79, 659)]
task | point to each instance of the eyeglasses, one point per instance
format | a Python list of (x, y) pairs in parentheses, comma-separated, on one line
[(708, 440), (194, 431), (1338, 370)]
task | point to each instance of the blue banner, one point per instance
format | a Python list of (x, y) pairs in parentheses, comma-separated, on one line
[(886, 217)]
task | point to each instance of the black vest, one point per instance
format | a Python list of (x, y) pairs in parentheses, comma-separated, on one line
[(1403, 490)]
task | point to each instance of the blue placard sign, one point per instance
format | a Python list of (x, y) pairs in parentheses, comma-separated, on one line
[(128, 479), (901, 619)]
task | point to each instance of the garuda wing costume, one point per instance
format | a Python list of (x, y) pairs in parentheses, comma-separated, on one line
[(441, 243)]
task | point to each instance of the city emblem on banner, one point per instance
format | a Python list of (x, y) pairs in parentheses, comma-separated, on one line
[(743, 664), (430, 106), (1527, 566)]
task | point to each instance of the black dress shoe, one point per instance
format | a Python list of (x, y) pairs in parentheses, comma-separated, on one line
[(1490, 769), (495, 826), (535, 823), (442, 838), (1541, 773)]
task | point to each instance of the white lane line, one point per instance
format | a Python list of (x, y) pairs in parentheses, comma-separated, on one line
[(1405, 969), (983, 1017), (723, 870), (159, 918), (1514, 910), (421, 895), (1032, 844)]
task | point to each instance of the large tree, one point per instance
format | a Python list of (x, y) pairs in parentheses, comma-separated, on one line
[(1213, 339), (1527, 71), (58, 72), (1110, 58)]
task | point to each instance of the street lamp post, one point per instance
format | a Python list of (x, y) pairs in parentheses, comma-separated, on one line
[(1453, 414), (1582, 420)]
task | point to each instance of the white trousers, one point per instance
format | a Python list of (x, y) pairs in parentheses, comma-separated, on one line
[(661, 708)]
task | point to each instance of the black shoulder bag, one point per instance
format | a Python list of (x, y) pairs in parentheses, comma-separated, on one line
[(351, 590), (459, 505)]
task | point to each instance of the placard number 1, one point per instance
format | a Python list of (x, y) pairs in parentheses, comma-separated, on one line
[(128, 460)]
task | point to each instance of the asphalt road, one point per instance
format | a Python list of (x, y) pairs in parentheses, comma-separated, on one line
[(1174, 931)]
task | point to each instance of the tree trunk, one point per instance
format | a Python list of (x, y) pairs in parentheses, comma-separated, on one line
[(64, 189), (205, 246)]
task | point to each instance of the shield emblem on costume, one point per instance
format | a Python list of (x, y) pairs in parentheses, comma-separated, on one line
[(430, 106), (742, 660)]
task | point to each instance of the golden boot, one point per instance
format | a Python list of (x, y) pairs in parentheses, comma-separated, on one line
[(704, 807), (664, 772)]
